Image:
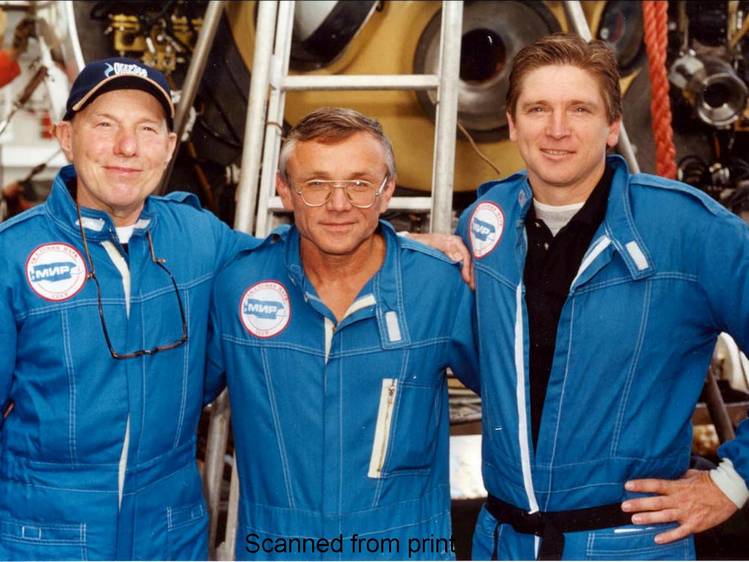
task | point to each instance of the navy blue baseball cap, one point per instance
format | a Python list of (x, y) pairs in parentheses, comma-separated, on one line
[(118, 73)]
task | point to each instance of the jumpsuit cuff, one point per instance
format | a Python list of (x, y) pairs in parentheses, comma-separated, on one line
[(730, 483)]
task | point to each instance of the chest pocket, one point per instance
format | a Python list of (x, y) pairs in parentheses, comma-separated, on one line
[(406, 433)]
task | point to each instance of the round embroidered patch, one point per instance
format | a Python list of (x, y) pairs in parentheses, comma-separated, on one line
[(487, 225), (265, 309), (56, 272)]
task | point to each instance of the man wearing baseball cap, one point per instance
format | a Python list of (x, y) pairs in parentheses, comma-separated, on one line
[(104, 295)]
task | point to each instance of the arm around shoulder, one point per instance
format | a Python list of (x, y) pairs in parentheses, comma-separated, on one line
[(8, 342), (463, 357), (215, 375), (229, 243)]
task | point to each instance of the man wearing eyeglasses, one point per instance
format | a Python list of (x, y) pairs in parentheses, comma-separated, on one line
[(335, 337), (104, 295)]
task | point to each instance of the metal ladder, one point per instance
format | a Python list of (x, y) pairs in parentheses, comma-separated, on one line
[(256, 198)]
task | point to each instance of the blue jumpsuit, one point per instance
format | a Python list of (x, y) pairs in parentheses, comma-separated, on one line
[(666, 272), (71, 485), (341, 428)]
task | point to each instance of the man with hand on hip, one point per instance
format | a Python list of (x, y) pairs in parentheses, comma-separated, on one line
[(600, 295)]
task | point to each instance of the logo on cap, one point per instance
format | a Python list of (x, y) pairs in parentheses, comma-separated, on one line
[(487, 225), (119, 68), (265, 309), (56, 272)]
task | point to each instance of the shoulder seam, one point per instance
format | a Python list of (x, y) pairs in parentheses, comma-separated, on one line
[(180, 198), (420, 248), (673, 186), (21, 218)]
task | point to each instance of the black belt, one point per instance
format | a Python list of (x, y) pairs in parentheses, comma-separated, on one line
[(551, 525)]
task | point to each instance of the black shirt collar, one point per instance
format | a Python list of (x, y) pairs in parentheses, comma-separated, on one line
[(594, 210)]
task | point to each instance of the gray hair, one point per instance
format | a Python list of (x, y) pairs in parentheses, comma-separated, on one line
[(334, 124)]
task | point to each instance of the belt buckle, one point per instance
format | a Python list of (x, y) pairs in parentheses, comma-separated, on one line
[(534, 522)]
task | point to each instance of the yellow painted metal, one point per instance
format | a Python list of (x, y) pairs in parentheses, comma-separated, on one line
[(387, 46)]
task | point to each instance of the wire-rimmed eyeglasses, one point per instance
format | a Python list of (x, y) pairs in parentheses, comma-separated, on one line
[(159, 262), (360, 193)]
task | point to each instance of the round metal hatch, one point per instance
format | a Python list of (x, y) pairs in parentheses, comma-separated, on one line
[(493, 33)]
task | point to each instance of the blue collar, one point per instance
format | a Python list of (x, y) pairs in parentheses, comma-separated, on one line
[(60, 206), (386, 286), (619, 224)]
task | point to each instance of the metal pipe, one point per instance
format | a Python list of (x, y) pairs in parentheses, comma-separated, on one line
[(256, 107), (194, 75), (717, 408), (361, 82), (576, 15), (447, 117), (628, 151), (219, 425), (227, 550), (218, 437), (276, 104), (35, 81)]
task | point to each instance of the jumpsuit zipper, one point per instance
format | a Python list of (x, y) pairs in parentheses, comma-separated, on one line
[(119, 262), (384, 423)]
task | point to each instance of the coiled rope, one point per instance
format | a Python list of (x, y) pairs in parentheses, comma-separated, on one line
[(655, 22)]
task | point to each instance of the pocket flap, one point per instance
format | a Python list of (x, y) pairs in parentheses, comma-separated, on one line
[(43, 533), (179, 516)]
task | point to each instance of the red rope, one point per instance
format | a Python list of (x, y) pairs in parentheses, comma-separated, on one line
[(655, 21)]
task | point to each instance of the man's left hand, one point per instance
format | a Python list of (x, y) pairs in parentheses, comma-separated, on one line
[(693, 501), (453, 247)]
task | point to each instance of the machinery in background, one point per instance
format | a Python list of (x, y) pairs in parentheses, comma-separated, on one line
[(708, 74), (163, 38), (401, 38), (707, 47), (352, 37), (31, 102)]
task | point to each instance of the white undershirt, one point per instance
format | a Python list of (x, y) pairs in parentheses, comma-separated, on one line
[(730, 482), (556, 217), (124, 233)]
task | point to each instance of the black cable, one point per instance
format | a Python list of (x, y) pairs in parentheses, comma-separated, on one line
[(215, 134), (739, 169), (170, 31), (147, 22), (224, 117), (102, 7), (693, 170)]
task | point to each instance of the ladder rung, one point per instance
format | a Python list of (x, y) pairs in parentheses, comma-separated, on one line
[(410, 204), (275, 205), (396, 204), (362, 82)]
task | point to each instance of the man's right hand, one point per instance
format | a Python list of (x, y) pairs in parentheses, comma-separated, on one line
[(693, 501)]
